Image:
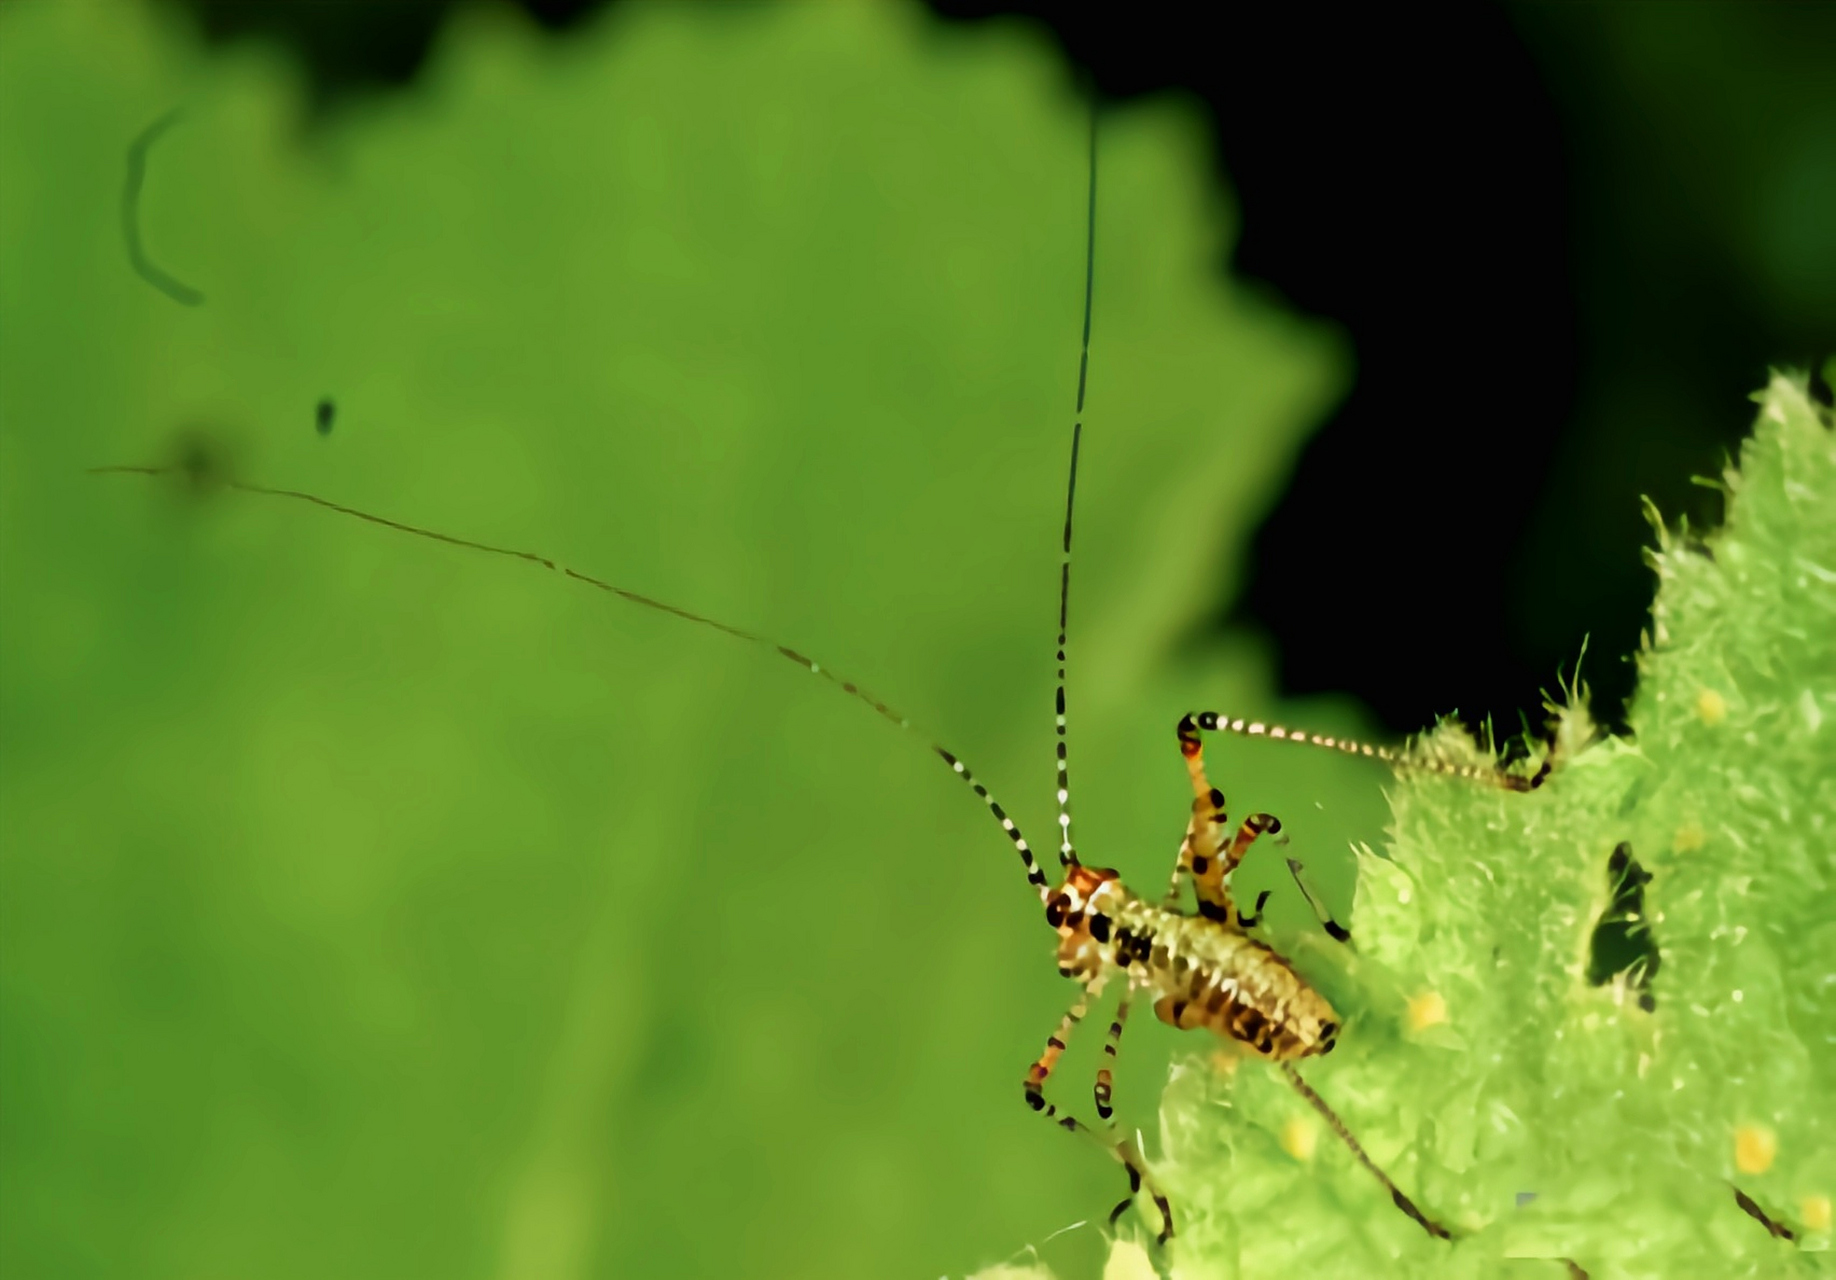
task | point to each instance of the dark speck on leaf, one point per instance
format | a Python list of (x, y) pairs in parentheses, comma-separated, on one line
[(327, 410)]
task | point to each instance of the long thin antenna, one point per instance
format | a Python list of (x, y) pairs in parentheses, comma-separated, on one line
[(1034, 875), (1067, 852)]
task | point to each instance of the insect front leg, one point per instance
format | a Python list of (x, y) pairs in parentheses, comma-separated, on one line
[(1120, 1149)]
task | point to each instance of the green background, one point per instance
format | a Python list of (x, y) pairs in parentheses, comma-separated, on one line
[(377, 909)]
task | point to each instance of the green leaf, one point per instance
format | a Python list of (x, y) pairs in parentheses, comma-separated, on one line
[(1541, 1115), (377, 908)]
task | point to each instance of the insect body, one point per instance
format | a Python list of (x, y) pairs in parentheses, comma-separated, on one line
[(1197, 974), (1201, 971), (1205, 970)]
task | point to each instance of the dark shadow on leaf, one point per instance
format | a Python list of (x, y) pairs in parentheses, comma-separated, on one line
[(1623, 942)]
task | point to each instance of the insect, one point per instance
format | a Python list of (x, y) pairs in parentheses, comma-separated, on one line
[(1203, 969)]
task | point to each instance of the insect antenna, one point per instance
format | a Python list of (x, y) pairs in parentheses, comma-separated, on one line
[(1067, 851), (1034, 875), (1337, 1125)]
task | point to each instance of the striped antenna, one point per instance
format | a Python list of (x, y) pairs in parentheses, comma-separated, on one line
[(190, 474), (1067, 852), (1421, 757)]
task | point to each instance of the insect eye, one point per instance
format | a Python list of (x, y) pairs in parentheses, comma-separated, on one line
[(1055, 911)]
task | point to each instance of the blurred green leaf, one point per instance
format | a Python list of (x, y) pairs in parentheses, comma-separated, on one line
[(372, 908)]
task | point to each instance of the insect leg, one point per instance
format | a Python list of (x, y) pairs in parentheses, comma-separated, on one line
[(1198, 853), (1251, 919), (1209, 872), (1202, 854), (1749, 1206), (1337, 931), (1209, 869), (1104, 1092), (1105, 1080), (1331, 1117), (1122, 1150)]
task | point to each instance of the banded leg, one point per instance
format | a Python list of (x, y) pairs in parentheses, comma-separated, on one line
[(1253, 829), (1254, 918), (1403, 759), (1105, 1078), (1198, 852), (1104, 1093), (1198, 848), (1209, 861), (1206, 869), (1122, 1151)]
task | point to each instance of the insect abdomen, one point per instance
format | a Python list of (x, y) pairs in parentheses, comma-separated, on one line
[(1204, 976)]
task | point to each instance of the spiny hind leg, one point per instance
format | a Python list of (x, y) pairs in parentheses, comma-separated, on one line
[(1105, 1093), (1122, 1149), (1397, 1195)]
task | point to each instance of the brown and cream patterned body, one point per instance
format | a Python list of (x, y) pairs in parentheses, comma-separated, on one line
[(1201, 969), (1197, 971)]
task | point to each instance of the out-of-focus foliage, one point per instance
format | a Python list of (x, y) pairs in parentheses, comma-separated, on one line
[(1540, 1115), (377, 909), (1701, 145)]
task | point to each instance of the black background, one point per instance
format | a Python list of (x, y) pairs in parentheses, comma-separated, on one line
[(1537, 224)]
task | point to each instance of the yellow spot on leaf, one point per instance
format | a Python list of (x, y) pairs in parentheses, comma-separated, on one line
[(1815, 1210), (1299, 1138), (1427, 1010), (1755, 1147), (1712, 707), (1224, 1060), (1689, 838), (1128, 1261)]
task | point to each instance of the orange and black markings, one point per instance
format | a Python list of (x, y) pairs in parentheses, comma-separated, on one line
[(1200, 971)]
